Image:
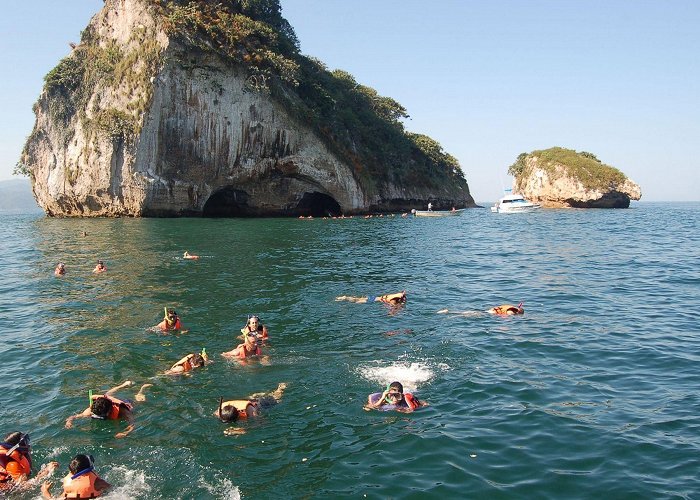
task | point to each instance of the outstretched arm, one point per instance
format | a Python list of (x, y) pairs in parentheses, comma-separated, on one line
[(127, 383), (84, 414)]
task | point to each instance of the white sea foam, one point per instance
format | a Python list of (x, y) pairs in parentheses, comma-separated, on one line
[(411, 375), (127, 483), (224, 489)]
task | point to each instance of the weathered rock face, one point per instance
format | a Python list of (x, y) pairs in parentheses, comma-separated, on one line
[(555, 185), (183, 136)]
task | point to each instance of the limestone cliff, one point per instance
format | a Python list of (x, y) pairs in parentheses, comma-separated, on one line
[(152, 115), (559, 177)]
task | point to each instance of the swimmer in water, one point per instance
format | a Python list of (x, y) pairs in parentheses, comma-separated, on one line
[(255, 327), (189, 363), (247, 349), (393, 398), (81, 482), (236, 409), (171, 322), (60, 269), (16, 464), (100, 267), (502, 310), (392, 299), (107, 407), (188, 256)]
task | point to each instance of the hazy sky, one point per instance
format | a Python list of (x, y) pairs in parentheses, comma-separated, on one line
[(487, 79)]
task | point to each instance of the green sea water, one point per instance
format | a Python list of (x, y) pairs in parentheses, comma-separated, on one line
[(593, 392)]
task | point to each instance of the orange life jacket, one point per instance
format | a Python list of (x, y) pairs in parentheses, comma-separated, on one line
[(242, 352), (506, 308), (117, 404), (163, 325), (82, 486), (411, 400), (23, 466)]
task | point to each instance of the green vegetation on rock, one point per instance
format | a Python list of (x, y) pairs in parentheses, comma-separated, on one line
[(353, 120), (583, 166)]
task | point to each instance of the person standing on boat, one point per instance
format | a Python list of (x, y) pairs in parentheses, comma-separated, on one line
[(430, 207)]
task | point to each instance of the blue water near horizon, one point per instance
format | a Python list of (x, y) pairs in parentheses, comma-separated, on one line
[(593, 392)]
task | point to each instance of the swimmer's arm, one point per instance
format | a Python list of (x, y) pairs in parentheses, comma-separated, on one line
[(377, 403), (45, 471), (101, 485), (130, 419), (127, 383), (46, 490), (83, 414)]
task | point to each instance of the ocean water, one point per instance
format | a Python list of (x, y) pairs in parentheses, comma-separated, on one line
[(594, 392)]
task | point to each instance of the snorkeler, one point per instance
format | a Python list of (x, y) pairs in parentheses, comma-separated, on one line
[(255, 327), (189, 256), (60, 269), (507, 310), (502, 310), (82, 482), (247, 349), (189, 363), (100, 267), (16, 462), (390, 298), (171, 322), (107, 407), (235, 409), (393, 398)]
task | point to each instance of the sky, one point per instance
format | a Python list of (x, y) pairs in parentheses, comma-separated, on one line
[(487, 79)]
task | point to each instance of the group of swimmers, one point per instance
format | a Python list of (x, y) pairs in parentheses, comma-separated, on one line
[(82, 480)]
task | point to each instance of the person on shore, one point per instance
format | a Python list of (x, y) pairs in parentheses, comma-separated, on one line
[(60, 269), (107, 407), (255, 327), (171, 322), (100, 267), (188, 256), (393, 398), (507, 310), (392, 299), (16, 463), (81, 482), (247, 349), (236, 409), (189, 363), (430, 207)]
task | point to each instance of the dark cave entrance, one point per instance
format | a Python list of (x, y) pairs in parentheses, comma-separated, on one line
[(318, 205), (227, 202)]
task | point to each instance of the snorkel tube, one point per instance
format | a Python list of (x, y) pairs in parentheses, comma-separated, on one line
[(221, 403)]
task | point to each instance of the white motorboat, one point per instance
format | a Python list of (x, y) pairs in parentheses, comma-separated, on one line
[(514, 203)]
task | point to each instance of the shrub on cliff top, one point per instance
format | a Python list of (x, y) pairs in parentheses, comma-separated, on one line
[(583, 166)]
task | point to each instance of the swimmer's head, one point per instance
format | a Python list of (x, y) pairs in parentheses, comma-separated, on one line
[(100, 263), (228, 413), (170, 316), (61, 265), (18, 439), (394, 393), (253, 321), (81, 463), (197, 360), (100, 408)]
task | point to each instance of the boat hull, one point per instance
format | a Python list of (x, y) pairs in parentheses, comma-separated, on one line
[(437, 213)]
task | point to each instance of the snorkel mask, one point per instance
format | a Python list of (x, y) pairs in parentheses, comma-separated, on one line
[(22, 445)]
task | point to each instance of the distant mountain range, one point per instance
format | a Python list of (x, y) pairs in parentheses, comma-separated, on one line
[(16, 195)]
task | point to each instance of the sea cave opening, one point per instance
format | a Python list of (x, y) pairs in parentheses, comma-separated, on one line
[(227, 202), (318, 205)]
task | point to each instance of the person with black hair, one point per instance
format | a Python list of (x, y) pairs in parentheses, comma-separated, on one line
[(393, 398), (82, 482), (189, 363), (236, 409), (108, 407), (16, 462)]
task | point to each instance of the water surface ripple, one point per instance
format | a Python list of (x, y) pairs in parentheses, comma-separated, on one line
[(593, 392)]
